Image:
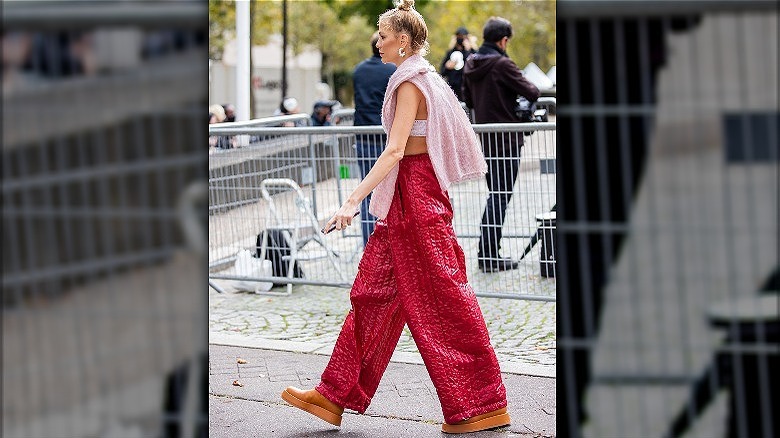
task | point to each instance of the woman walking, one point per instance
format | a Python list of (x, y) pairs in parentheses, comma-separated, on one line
[(413, 269)]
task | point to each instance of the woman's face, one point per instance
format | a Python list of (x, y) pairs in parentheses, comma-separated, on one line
[(388, 44)]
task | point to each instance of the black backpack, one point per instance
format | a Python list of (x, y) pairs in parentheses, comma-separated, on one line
[(276, 249)]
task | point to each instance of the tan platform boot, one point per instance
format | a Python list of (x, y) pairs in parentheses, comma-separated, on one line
[(314, 403), (490, 420)]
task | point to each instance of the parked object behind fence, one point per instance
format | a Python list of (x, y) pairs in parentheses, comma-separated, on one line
[(278, 251), (546, 233), (290, 229), (248, 266)]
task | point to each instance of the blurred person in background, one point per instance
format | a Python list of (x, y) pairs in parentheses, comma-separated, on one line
[(230, 112), (491, 84), (370, 79), (217, 115), (289, 106), (62, 54), (230, 116), (461, 47), (322, 111), (16, 48)]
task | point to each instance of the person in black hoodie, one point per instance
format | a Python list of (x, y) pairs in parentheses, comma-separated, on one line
[(491, 84)]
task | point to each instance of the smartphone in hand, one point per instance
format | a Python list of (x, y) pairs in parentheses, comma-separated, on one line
[(333, 226)]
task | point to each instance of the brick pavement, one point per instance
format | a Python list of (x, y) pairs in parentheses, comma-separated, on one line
[(405, 404)]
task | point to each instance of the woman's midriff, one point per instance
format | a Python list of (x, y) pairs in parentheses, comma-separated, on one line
[(416, 146)]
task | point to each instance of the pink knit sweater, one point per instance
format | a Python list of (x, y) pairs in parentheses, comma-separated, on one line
[(453, 145)]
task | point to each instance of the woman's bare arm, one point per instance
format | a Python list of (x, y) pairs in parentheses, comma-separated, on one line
[(408, 99)]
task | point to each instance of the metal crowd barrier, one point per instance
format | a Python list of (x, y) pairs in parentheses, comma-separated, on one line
[(322, 161), (102, 333), (667, 228)]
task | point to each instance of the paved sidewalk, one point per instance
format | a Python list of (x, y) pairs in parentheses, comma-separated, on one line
[(309, 320), (405, 404)]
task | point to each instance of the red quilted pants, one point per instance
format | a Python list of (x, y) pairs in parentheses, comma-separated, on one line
[(413, 272)]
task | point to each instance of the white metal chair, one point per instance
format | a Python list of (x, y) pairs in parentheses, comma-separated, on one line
[(298, 225)]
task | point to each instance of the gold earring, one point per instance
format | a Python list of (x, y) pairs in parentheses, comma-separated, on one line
[(401, 52)]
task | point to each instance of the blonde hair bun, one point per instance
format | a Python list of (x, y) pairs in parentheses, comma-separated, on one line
[(405, 5), (405, 19)]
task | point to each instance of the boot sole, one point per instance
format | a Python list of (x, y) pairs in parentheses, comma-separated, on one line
[(313, 409), (483, 424)]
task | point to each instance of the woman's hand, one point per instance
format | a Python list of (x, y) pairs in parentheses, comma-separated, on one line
[(343, 218)]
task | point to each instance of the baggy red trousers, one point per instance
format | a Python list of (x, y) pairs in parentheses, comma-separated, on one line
[(413, 272)]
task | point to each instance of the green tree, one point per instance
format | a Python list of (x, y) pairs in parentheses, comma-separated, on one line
[(341, 29), (266, 20), (310, 24), (318, 25), (222, 26), (369, 10), (533, 24)]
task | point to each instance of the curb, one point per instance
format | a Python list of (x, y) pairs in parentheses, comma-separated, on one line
[(235, 340)]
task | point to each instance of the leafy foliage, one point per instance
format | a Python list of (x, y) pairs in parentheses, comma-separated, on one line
[(370, 10), (533, 24), (341, 29), (222, 25)]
